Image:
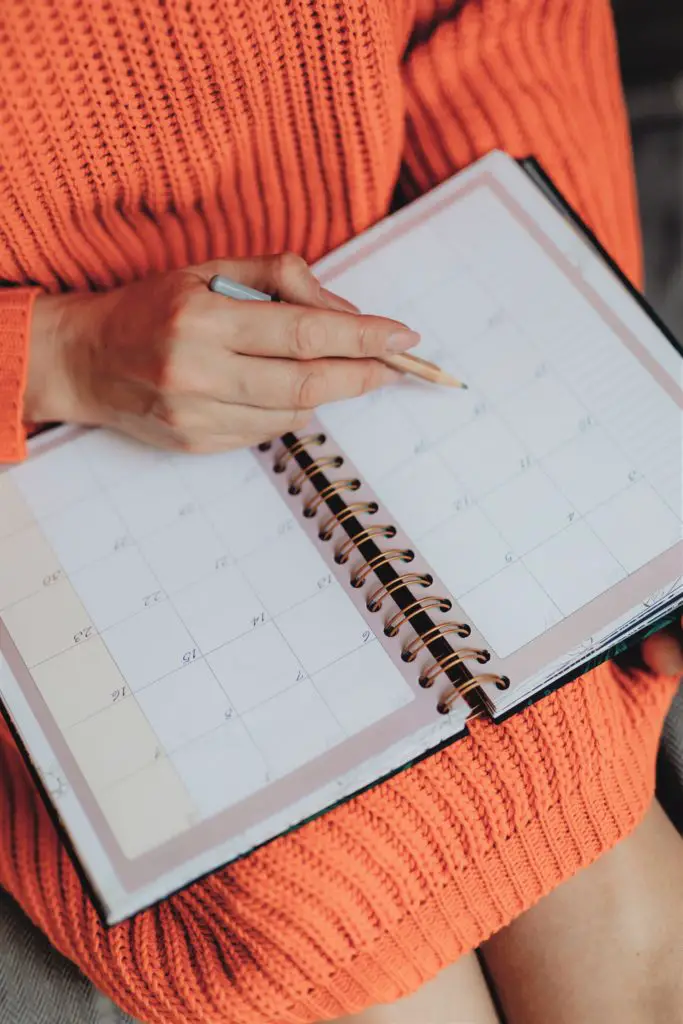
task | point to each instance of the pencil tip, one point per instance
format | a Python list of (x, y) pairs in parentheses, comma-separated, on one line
[(465, 387)]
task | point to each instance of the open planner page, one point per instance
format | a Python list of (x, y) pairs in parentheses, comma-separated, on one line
[(184, 662), (549, 496)]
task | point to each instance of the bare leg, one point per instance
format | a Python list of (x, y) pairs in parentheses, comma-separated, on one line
[(458, 995), (607, 946)]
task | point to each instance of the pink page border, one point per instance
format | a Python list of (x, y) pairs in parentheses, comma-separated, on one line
[(134, 874), (635, 588)]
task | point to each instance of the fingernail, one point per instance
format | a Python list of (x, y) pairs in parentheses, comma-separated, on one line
[(399, 341), (336, 302)]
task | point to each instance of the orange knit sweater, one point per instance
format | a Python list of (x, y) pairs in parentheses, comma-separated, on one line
[(142, 134)]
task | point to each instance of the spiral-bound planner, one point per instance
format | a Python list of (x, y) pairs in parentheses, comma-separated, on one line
[(200, 653)]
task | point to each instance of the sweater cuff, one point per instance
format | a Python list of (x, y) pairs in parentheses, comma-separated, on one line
[(16, 305)]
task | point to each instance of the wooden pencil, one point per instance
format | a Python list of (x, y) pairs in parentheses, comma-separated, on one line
[(405, 363), (423, 369)]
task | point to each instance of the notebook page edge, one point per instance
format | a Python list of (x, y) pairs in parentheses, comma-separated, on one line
[(661, 345), (85, 839), (515, 180)]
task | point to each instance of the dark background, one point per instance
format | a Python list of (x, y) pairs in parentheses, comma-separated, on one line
[(651, 39), (651, 47)]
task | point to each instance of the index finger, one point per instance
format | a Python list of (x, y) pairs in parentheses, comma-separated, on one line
[(301, 332)]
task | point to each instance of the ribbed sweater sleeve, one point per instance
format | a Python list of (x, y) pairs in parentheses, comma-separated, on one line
[(533, 77), (15, 319), (139, 137)]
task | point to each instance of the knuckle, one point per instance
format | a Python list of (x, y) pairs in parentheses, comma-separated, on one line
[(290, 265), (166, 414), (176, 422), (308, 336), (171, 348), (368, 339), (243, 389), (309, 389), (186, 445), (371, 377), (189, 439), (199, 445), (180, 377)]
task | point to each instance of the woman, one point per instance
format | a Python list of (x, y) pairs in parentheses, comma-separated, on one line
[(164, 135)]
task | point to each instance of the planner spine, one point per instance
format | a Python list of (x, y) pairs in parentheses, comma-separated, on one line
[(353, 520)]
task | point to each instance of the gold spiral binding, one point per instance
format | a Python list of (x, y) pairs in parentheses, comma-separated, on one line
[(311, 507), (324, 462), (376, 599), (411, 650), (406, 579), (443, 604), (342, 555), (445, 705), (369, 508), (285, 454), (450, 661), (383, 558)]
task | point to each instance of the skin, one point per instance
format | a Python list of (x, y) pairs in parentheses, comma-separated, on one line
[(604, 948), (170, 363), (167, 361)]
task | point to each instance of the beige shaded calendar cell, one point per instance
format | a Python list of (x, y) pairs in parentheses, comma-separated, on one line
[(28, 564), (48, 622), (113, 744), (147, 809), (14, 512), (80, 682)]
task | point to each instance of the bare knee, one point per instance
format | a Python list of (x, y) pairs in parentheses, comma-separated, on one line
[(607, 945)]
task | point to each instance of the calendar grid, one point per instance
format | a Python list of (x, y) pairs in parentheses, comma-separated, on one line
[(576, 516), (201, 655), (445, 468), (218, 671), (586, 382), (132, 705), (464, 326)]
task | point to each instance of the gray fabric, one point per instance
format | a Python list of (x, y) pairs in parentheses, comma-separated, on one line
[(37, 985), (670, 766), (657, 129)]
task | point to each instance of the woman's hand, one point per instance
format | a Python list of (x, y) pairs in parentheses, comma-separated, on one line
[(663, 652), (175, 365)]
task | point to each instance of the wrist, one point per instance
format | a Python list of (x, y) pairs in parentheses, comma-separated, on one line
[(61, 334)]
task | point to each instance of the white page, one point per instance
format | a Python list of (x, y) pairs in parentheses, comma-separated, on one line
[(188, 673), (137, 594), (549, 496)]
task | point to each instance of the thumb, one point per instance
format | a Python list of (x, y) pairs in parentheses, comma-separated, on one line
[(663, 652), (285, 276)]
